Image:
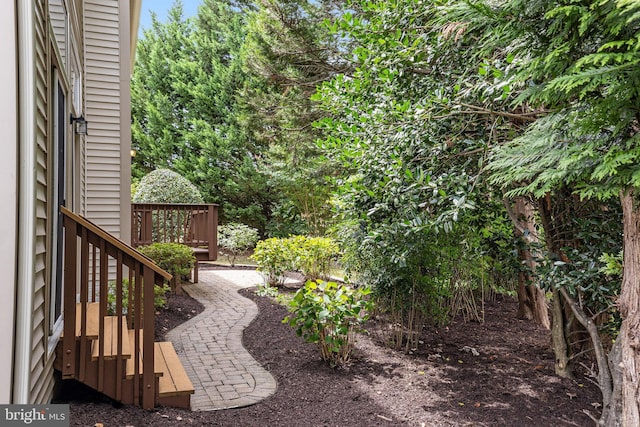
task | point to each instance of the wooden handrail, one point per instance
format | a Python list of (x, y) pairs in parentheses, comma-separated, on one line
[(96, 264), (129, 250)]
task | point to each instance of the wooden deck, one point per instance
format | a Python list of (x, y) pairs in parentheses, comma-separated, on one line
[(194, 225)]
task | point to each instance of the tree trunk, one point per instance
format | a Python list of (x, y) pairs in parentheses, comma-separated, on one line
[(605, 380), (559, 339), (558, 332), (532, 304), (612, 412), (629, 304)]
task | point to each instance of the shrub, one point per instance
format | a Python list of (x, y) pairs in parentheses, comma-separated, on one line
[(174, 258), (329, 314), (166, 186), (236, 238), (312, 256), (273, 258), (159, 296)]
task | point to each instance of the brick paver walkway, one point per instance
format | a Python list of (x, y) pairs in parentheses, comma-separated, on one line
[(223, 373)]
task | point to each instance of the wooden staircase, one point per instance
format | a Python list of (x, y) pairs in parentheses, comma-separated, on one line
[(104, 342)]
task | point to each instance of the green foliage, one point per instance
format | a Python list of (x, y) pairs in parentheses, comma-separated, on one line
[(267, 291), (410, 128), (274, 258), (612, 264), (236, 238), (165, 186), (583, 68), (185, 111), (174, 258), (312, 256), (329, 314), (159, 296), (289, 51)]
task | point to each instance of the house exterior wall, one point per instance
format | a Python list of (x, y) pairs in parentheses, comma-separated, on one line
[(41, 369), (86, 45), (108, 110), (8, 189)]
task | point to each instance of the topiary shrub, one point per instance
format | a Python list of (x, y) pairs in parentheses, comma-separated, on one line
[(166, 186), (175, 258), (235, 239)]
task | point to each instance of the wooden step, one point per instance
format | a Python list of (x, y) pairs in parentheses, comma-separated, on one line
[(93, 314), (131, 362), (111, 325), (174, 381)]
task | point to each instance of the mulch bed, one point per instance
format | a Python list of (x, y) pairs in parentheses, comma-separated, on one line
[(510, 382)]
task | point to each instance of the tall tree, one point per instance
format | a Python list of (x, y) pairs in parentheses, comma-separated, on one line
[(413, 157), (583, 64), (289, 52), (185, 111)]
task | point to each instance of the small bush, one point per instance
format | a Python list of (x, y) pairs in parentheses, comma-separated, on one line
[(236, 238), (174, 258), (273, 258), (329, 314), (314, 255)]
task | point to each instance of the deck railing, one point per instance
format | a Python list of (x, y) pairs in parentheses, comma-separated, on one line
[(194, 225), (101, 271)]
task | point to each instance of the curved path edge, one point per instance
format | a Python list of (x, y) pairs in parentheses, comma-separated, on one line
[(223, 373)]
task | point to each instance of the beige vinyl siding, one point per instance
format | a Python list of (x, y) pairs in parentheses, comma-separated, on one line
[(41, 376), (125, 113), (76, 39), (108, 114), (58, 18)]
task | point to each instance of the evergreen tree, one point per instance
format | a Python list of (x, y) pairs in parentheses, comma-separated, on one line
[(185, 111), (289, 52)]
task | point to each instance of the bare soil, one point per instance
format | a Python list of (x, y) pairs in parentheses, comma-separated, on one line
[(496, 373)]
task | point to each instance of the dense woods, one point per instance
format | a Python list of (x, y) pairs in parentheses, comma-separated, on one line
[(452, 148)]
